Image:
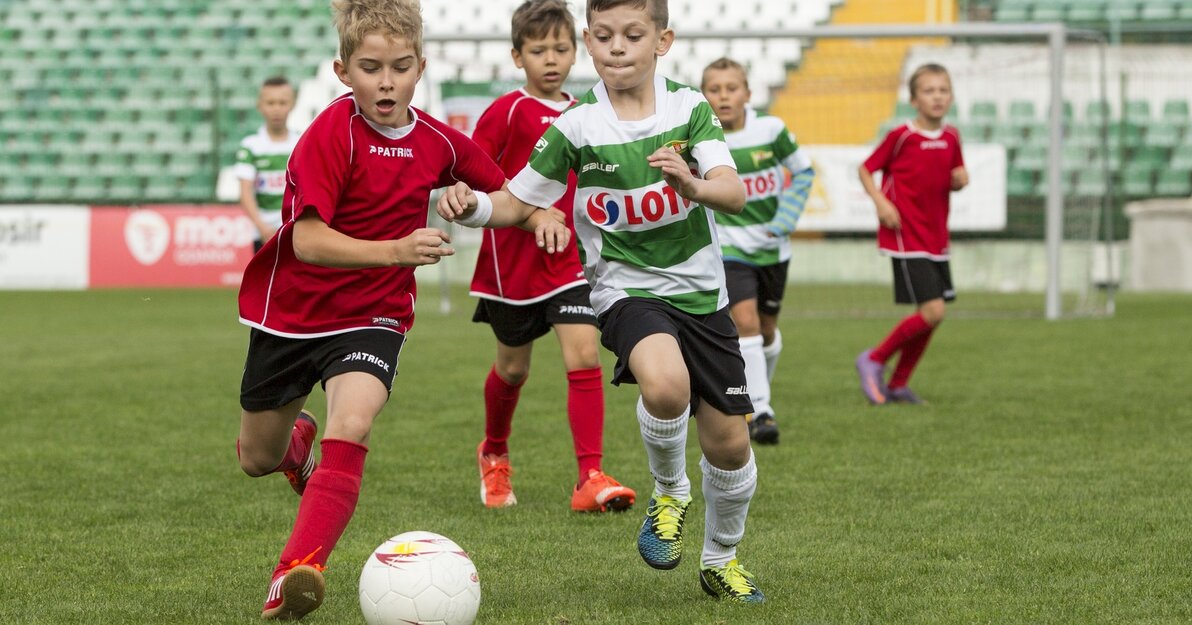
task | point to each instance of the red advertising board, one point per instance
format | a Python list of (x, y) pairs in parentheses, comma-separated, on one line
[(183, 246)]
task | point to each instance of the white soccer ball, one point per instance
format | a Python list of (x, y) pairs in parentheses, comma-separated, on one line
[(419, 578)]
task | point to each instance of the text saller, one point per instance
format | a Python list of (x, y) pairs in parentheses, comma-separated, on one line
[(369, 358), (737, 390), (607, 168)]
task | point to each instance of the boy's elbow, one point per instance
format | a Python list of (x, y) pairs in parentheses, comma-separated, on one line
[(736, 202)]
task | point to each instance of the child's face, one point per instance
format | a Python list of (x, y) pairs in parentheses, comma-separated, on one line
[(933, 96), (726, 91), (382, 74), (546, 61), (275, 103), (625, 45)]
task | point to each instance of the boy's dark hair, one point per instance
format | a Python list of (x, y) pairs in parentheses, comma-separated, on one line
[(537, 19), (726, 63), (276, 81), (926, 68), (656, 8)]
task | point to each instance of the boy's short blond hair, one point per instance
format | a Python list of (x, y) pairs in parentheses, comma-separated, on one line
[(723, 63), (926, 68), (395, 19), (537, 19), (657, 9)]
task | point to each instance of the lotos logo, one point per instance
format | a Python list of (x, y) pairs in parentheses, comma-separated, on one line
[(602, 210), (761, 184), (651, 206)]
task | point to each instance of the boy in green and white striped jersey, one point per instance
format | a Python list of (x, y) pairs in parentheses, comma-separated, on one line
[(651, 166), (262, 157), (756, 243)]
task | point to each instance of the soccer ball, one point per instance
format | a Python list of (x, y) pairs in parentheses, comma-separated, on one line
[(419, 578)]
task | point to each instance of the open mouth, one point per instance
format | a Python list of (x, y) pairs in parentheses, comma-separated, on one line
[(386, 106)]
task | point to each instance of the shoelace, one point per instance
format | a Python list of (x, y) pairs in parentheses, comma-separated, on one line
[(316, 566), (738, 579), (496, 476), (668, 515)]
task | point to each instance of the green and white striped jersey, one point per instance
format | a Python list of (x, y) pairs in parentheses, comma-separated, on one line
[(636, 235), (263, 161), (761, 149)]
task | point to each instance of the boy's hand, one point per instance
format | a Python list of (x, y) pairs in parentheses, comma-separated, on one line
[(423, 246), (456, 202), (675, 171), (960, 178), (888, 214), (550, 229)]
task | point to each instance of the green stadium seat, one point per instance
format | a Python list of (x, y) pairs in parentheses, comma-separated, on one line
[(1174, 183), (1131, 134), (1176, 112), (1031, 158), (17, 187), (1049, 11), (1010, 136), (983, 112), (1076, 157), (1013, 10), (1137, 112), (125, 187), (1163, 134), (1181, 158), (1160, 10), (1096, 112), (1121, 10), (1091, 182), (1153, 157), (1137, 181), (1085, 135), (1086, 11), (53, 188), (1022, 112)]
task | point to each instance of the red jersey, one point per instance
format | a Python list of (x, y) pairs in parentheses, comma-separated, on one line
[(368, 182), (916, 168), (510, 267)]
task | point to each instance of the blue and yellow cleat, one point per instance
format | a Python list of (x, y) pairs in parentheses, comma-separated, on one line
[(661, 538), (731, 582)]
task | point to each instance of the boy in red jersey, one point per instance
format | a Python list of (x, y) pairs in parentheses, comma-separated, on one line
[(331, 296), (921, 164), (524, 293)]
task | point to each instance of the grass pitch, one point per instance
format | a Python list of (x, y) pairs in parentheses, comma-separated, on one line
[(1047, 482)]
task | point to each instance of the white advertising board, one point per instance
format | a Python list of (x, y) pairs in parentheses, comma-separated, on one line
[(44, 247)]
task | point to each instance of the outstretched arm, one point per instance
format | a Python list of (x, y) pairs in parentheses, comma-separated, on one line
[(462, 205), (317, 243)]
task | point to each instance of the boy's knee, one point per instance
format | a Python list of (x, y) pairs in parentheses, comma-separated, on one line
[(255, 465), (666, 402), (513, 374)]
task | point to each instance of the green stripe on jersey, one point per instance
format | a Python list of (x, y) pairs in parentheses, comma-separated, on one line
[(695, 302), (670, 245)]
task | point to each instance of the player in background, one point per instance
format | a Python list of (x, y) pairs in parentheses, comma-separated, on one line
[(524, 293), (330, 298), (921, 164), (756, 243), (650, 252), (261, 159)]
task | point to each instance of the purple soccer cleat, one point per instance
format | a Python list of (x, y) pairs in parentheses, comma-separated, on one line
[(903, 395), (872, 376)]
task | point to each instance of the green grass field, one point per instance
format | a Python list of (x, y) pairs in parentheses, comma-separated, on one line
[(1049, 481)]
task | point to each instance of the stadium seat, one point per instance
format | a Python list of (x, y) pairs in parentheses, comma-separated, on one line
[(1137, 112), (1172, 183), (1013, 11), (1176, 112), (1160, 10), (1049, 11), (1136, 180), (1163, 134), (1011, 137), (984, 112), (1020, 182), (1121, 10), (1181, 158), (1091, 182), (1086, 12)]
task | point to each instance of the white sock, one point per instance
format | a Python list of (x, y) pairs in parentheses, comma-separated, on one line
[(772, 351), (726, 499), (755, 374), (666, 449)]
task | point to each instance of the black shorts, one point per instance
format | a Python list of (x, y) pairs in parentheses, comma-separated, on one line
[(918, 280), (279, 370), (767, 284), (708, 342), (516, 325)]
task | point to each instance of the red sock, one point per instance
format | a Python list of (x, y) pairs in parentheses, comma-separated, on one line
[(327, 505), (911, 353), (905, 332), (585, 412), (500, 400)]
